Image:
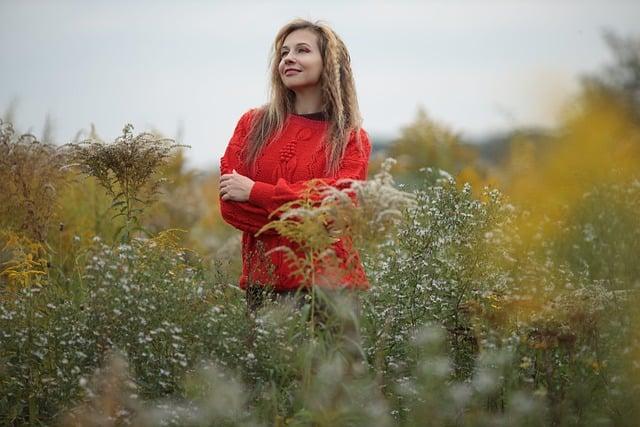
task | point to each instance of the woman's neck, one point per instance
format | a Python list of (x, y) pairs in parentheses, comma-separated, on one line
[(308, 100)]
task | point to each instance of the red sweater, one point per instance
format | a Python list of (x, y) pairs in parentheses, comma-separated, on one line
[(282, 170)]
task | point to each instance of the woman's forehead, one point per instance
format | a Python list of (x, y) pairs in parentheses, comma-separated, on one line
[(300, 36)]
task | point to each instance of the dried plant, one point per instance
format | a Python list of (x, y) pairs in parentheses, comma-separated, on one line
[(368, 211), (128, 171), (364, 211), (31, 173), (304, 222)]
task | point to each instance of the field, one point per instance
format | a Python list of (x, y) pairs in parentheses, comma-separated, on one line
[(502, 294)]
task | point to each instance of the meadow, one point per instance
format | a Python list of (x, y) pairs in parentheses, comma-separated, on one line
[(502, 294)]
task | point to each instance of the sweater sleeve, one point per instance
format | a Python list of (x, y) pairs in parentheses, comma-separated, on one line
[(354, 165), (242, 215)]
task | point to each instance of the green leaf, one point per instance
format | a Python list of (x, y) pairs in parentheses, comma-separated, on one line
[(118, 231)]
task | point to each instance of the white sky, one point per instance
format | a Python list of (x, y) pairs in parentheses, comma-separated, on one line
[(477, 66)]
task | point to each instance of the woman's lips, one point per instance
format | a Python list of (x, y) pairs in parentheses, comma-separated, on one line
[(290, 72)]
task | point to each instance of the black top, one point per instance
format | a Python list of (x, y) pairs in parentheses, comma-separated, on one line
[(320, 116)]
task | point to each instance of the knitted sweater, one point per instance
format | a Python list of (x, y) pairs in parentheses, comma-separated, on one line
[(282, 169)]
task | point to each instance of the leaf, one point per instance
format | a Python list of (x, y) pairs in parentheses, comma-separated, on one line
[(118, 231)]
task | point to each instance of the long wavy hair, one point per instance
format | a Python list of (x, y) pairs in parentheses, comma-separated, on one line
[(339, 100)]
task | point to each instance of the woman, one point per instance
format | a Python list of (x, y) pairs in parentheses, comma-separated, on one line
[(309, 129)]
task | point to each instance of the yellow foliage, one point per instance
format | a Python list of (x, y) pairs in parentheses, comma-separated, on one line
[(599, 142), (477, 180), (169, 239), (27, 263)]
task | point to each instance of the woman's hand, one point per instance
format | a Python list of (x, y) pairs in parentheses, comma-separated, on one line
[(235, 187)]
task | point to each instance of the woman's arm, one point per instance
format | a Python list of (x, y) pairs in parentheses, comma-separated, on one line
[(242, 215)]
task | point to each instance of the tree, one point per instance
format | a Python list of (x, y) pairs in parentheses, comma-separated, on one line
[(620, 79), (428, 143)]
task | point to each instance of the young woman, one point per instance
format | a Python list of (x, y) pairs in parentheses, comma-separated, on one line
[(310, 128)]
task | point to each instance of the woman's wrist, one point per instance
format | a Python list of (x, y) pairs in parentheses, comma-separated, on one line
[(261, 194)]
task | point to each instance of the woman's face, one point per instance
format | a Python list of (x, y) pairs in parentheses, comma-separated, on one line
[(300, 64)]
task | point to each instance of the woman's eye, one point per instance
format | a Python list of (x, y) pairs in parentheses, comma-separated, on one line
[(283, 53)]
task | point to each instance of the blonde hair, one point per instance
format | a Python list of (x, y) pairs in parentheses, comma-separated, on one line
[(339, 100)]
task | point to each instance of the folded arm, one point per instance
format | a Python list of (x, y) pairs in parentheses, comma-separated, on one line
[(242, 215)]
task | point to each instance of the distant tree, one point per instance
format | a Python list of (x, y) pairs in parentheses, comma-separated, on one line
[(428, 143), (620, 79)]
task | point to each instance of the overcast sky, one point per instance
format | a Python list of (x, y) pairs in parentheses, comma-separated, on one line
[(477, 66)]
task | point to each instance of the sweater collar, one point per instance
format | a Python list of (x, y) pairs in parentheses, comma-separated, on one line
[(304, 121)]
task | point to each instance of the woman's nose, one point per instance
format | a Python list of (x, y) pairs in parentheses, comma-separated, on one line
[(288, 57)]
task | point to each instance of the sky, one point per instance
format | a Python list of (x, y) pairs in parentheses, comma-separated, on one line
[(191, 68)]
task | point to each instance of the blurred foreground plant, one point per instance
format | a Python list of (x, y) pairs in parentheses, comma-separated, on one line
[(366, 212), (324, 215)]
